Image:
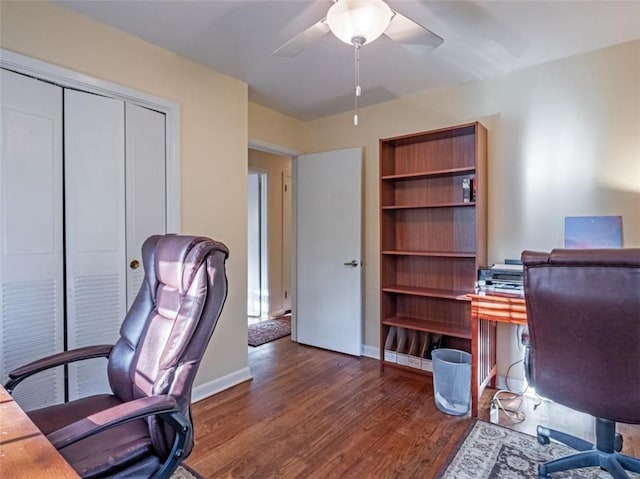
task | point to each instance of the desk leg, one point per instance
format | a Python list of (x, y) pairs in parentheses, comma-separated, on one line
[(475, 359), (483, 358)]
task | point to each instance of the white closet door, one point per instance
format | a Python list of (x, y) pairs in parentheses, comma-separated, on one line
[(31, 271), (94, 231), (146, 187)]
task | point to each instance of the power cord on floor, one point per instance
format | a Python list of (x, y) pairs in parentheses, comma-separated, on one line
[(504, 404), (515, 414)]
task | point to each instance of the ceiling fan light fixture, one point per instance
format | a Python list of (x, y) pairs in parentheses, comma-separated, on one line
[(359, 19)]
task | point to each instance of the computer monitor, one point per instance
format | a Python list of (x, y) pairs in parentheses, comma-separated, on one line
[(593, 232)]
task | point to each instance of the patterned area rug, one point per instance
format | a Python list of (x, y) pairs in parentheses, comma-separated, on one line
[(494, 452), (185, 472), (266, 331)]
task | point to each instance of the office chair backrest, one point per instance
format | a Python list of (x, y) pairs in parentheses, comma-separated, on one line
[(583, 311), (167, 329)]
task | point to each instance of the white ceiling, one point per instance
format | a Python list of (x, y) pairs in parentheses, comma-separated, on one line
[(482, 39)]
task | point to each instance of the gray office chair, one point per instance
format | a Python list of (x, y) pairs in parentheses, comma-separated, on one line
[(143, 429), (583, 313)]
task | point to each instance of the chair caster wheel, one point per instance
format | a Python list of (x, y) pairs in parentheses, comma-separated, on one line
[(544, 440), (617, 442), (543, 434), (542, 472)]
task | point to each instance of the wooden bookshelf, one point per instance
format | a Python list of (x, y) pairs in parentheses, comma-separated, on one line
[(432, 239)]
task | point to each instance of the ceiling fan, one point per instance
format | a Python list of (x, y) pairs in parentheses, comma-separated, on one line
[(358, 22)]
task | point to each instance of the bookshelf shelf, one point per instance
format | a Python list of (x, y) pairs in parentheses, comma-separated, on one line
[(447, 254), (427, 174), (428, 292), (429, 325), (440, 205), (432, 240)]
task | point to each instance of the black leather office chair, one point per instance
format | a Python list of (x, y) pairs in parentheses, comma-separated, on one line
[(583, 311), (143, 429)]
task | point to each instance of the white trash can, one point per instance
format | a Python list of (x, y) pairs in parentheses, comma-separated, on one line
[(452, 380)]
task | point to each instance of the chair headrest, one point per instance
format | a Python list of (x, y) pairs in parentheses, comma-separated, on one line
[(625, 257), (177, 258)]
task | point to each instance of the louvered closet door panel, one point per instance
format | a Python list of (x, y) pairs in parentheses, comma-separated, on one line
[(95, 231), (31, 271), (145, 184)]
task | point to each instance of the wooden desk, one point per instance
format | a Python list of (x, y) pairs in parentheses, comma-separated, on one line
[(486, 311), (24, 451)]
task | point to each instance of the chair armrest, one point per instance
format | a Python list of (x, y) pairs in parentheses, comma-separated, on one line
[(114, 416), (79, 354)]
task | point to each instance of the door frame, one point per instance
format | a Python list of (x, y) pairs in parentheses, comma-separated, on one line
[(266, 147), (71, 79)]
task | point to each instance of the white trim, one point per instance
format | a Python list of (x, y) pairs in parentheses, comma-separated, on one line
[(72, 79), (371, 351), (218, 385), (271, 148)]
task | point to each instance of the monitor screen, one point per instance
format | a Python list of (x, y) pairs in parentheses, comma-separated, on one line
[(593, 232)]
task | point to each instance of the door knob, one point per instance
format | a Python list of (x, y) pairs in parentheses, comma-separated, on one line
[(352, 263), (134, 264)]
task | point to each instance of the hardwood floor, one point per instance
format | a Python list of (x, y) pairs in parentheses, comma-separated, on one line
[(311, 413)]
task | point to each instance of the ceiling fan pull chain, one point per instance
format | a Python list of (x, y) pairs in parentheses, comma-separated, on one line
[(358, 89)]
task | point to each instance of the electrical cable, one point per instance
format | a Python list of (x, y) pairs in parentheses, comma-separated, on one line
[(515, 415), (506, 379), (521, 347)]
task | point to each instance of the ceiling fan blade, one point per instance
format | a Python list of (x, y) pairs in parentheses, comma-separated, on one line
[(303, 40), (404, 30)]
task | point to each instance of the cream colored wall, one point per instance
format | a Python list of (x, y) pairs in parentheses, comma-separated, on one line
[(214, 137), (564, 140), (276, 167), (275, 128)]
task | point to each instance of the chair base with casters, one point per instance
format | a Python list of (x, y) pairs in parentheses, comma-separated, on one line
[(604, 454)]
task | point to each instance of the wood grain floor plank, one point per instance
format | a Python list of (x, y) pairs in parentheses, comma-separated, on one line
[(310, 413)]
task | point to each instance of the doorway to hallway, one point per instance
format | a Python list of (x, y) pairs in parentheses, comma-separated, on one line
[(269, 235), (257, 258)]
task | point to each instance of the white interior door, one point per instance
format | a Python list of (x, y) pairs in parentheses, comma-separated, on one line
[(31, 242), (328, 304), (145, 186), (95, 231)]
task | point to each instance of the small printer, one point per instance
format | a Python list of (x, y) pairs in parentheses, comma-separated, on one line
[(506, 276)]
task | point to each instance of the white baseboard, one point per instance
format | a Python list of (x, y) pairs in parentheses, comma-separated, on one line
[(501, 383), (217, 385), (371, 351), (515, 385)]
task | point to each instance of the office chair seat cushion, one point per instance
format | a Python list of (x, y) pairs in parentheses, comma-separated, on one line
[(121, 448), (125, 446), (54, 417)]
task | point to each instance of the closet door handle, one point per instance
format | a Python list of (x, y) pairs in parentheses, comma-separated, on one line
[(134, 264)]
